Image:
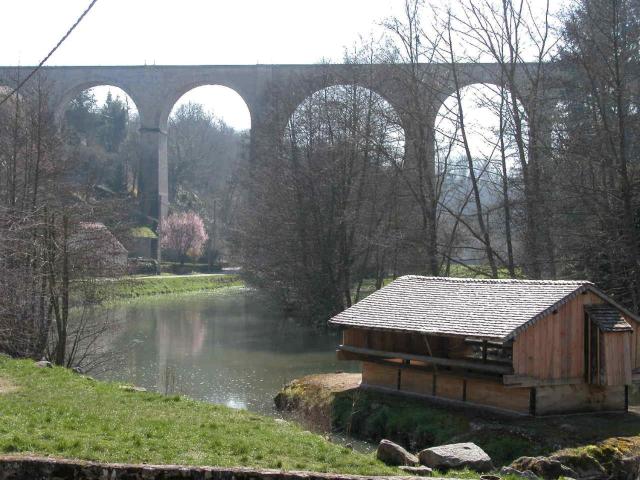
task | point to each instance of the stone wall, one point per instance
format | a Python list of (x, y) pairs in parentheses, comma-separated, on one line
[(42, 468)]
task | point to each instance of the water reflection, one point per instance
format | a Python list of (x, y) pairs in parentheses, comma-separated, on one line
[(227, 349)]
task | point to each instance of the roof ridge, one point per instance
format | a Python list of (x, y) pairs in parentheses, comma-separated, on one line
[(495, 280)]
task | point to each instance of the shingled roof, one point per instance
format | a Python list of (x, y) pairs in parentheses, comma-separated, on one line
[(482, 308), (608, 318)]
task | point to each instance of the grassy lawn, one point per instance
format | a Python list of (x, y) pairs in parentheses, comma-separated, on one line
[(53, 411), (134, 287)]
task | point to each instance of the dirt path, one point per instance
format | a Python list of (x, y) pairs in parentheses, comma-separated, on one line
[(334, 382), (6, 386)]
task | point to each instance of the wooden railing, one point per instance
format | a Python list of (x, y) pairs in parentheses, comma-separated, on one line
[(449, 362)]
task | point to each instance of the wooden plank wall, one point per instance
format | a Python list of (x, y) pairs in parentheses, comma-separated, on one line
[(635, 342), (617, 358), (417, 381), (376, 374), (496, 395), (491, 393), (449, 387), (553, 348), (479, 391), (579, 398)]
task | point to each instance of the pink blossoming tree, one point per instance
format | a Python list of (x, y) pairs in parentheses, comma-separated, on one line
[(184, 233)]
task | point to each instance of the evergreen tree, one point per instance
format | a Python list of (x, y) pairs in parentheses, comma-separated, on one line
[(114, 116)]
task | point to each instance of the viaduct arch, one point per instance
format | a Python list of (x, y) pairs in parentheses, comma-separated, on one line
[(271, 93)]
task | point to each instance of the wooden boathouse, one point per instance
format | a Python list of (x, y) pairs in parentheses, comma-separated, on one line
[(528, 346)]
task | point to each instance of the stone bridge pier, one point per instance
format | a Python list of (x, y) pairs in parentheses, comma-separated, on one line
[(271, 93)]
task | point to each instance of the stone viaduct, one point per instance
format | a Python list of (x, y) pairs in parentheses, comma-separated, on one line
[(271, 93)]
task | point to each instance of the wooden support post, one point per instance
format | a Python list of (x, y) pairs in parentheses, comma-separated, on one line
[(484, 351), (626, 398), (532, 401), (587, 349), (435, 368), (598, 381)]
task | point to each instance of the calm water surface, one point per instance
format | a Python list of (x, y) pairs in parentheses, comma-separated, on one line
[(223, 348)]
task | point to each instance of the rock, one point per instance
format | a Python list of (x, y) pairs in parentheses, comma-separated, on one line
[(77, 370), (131, 388), (489, 476), (627, 468), (584, 465), (420, 471), (547, 468), (349, 446), (286, 399), (44, 364), (393, 454), (528, 474), (456, 455)]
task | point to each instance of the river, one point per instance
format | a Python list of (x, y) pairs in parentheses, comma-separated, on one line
[(227, 348)]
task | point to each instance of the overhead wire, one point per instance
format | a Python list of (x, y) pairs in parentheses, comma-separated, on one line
[(53, 50)]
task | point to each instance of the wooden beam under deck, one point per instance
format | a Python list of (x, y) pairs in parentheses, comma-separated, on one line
[(355, 353), (524, 381)]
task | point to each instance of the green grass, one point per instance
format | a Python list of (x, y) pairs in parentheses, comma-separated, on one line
[(479, 271), (134, 287), (143, 232), (59, 413)]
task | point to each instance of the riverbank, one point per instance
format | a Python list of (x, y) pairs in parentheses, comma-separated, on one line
[(420, 423), (53, 411), (127, 288)]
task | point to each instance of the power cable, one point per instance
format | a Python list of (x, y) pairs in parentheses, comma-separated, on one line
[(65, 36)]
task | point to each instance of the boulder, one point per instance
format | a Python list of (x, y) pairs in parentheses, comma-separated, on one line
[(627, 468), (44, 364), (393, 454), (132, 388), (456, 455), (547, 468), (584, 465), (420, 471), (528, 474)]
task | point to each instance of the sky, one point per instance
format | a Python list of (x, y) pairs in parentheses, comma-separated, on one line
[(191, 32), (134, 32)]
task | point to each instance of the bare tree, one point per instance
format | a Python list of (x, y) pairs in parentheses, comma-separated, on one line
[(598, 145), (520, 42), (422, 173), (317, 223), (40, 213)]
